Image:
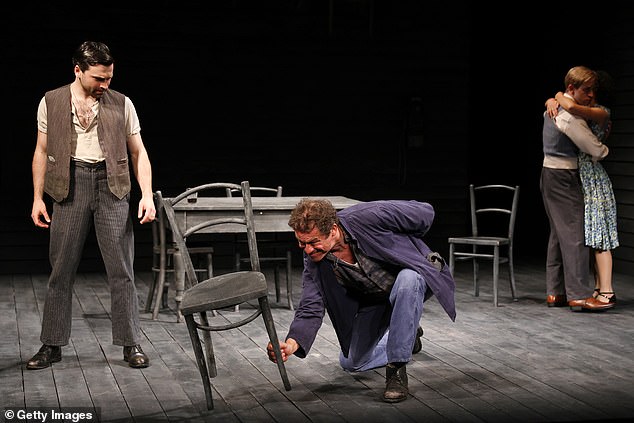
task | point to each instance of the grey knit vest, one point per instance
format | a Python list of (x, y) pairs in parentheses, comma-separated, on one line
[(556, 143)]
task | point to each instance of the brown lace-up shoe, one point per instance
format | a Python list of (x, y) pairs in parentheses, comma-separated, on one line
[(395, 384), (589, 304), (135, 357), (556, 301)]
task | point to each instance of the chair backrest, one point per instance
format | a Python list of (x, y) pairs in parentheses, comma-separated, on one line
[(277, 192), (488, 204), (181, 235)]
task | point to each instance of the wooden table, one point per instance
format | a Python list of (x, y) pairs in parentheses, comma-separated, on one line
[(270, 214)]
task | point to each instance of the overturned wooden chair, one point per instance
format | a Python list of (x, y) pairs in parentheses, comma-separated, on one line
[(223, 291), (269, 245)]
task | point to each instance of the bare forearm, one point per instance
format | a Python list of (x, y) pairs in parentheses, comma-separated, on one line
[(38, 168), (143, 172)]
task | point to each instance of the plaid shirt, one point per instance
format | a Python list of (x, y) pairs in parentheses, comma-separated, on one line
[(367, 277)]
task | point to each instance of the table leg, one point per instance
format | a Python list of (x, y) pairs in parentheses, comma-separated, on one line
[(179, 282), (160, 283)]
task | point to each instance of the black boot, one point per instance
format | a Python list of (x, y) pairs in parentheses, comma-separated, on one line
[(418, 343), (46, 356), (395, 383)]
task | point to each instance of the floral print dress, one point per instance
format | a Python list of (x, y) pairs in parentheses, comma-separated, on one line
[(600, 204)]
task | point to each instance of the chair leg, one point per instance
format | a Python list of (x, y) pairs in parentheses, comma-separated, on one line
[(210, 265), (159, 293), (276, 275), (209, 347), (165, 295), (237, 266), (270, 329), (179, 283), (151, 292), (200, 359), (210, 273), (512, 274), (476, 269), (289, 281), (452, 259), (496, 273)]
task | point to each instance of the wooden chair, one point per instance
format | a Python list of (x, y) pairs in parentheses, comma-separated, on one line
[(223, 291), (271, 245), (163, 261), (493, 213)]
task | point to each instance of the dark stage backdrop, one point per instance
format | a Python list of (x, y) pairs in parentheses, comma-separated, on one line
[(367, 99)]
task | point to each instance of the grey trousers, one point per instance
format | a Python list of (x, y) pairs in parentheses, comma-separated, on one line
[(567, 257), (91, 203)]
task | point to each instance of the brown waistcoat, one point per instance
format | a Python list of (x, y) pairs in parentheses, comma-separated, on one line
[(111, 131)]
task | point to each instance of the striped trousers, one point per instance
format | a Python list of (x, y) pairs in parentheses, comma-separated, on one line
[(90, 203)]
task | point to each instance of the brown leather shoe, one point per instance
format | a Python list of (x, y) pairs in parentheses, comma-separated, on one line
[(589, 304), (556, 301), (135, 357), (47, 355)]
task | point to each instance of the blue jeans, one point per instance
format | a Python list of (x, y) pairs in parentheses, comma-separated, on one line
[(385, 333)]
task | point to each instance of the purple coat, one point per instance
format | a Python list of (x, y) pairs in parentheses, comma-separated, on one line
[(391, 231)]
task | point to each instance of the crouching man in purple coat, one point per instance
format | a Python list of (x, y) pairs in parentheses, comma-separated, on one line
[(369, 268)]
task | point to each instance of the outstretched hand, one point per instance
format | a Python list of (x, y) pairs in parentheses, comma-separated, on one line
[(288, 348)]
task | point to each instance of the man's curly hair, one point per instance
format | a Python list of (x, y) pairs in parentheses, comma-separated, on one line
[(310, 213)]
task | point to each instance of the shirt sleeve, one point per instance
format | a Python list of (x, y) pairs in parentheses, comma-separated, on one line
[(133, 125), (579, 132), (42, 125)]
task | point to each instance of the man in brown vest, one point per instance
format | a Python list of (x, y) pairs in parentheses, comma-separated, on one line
[(87, 133)]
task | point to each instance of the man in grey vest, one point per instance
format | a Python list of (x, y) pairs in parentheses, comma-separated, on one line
[(567, 261), (87, 136)]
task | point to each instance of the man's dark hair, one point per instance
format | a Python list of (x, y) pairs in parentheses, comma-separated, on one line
[(92, 53), (605, 85)]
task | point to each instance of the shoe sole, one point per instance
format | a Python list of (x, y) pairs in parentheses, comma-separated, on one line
[(393, 400), (50, 363), (139, 366), (590, 310)]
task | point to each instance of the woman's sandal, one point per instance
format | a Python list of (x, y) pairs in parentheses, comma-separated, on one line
[(596, 292), (611, 300)]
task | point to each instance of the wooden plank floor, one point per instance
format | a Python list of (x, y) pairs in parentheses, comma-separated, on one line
[(521, 361)]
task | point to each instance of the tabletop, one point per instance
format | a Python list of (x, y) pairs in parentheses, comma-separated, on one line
[(259, 203), (270, 214)]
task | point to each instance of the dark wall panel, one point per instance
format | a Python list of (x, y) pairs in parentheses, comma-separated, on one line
[(368, 99)]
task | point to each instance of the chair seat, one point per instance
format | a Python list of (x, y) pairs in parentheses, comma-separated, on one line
[(224, 291), (481, 240)]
